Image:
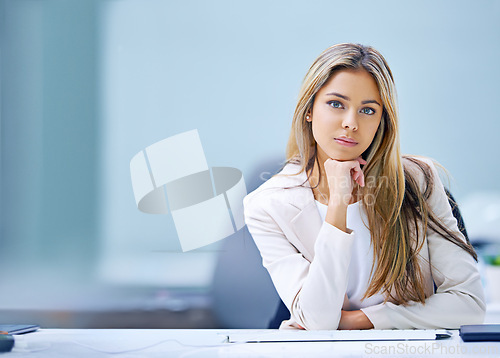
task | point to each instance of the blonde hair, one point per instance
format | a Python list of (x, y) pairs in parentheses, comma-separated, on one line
[(397, 204)]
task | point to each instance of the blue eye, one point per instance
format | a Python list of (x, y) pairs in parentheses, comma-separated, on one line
[(335, 104), (368, 111)]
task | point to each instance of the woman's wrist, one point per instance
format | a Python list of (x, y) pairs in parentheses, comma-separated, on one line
[(341, 200), (336, 215)]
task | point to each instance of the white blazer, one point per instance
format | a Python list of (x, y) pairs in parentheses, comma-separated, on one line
[(308, 261)]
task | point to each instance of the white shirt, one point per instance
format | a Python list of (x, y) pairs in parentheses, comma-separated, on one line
[(361, 258)]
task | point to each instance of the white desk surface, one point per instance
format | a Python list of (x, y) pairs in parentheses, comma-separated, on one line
[(180, 343)]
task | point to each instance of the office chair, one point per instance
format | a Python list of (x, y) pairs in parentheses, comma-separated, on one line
[(282, 313)]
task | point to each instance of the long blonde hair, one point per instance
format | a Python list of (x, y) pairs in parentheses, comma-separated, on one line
[(396, 205)]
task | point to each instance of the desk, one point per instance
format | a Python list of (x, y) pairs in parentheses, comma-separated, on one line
[(190, 343)]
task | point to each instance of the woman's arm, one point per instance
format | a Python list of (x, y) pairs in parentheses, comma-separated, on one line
[(312, 291), (459, 297), (354, 320)]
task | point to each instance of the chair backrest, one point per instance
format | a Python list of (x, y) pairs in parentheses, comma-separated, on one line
[(282, 313), (456, 213)]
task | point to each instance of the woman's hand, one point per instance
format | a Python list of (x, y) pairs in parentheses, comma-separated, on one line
[(354, 320), (341, 176)]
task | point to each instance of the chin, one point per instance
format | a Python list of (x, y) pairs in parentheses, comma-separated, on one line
[(343, 156)]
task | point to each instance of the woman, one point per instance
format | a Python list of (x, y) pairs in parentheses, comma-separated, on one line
[(353, 234)]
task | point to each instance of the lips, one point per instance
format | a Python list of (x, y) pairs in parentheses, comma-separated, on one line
[(346, 140)]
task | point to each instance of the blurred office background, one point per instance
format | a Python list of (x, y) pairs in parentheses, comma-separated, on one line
[(85, 85)]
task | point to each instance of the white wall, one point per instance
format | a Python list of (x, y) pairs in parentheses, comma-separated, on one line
[(230, 69)]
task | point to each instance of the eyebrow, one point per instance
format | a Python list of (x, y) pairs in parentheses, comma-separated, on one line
[(348, 99)]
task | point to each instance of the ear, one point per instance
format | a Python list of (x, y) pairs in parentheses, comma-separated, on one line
[(308, 117)]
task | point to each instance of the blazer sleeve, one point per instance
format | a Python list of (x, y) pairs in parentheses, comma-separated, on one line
[(313, 291), (459, 297)]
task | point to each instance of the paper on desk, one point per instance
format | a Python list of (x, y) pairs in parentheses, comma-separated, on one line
[(333, 335), (174, 173)]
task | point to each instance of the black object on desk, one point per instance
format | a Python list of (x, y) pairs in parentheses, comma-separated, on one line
[(6, 342), (480, 332), (18, 328), (6, 331)]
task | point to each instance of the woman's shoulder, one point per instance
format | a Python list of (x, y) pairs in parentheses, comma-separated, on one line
[(423, 170), (419, 166), (279, 185), (414, 161)]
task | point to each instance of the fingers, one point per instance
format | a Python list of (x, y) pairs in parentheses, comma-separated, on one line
[(361, 180), (361, 160), (355, 172), (359, 177)]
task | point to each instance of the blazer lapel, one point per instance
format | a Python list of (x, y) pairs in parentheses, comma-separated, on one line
[(307, 222), (306, 225)]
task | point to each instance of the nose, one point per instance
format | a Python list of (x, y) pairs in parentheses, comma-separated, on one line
[(350, 121)]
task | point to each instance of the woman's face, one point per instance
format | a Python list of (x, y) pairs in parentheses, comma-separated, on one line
[(345, 115)]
